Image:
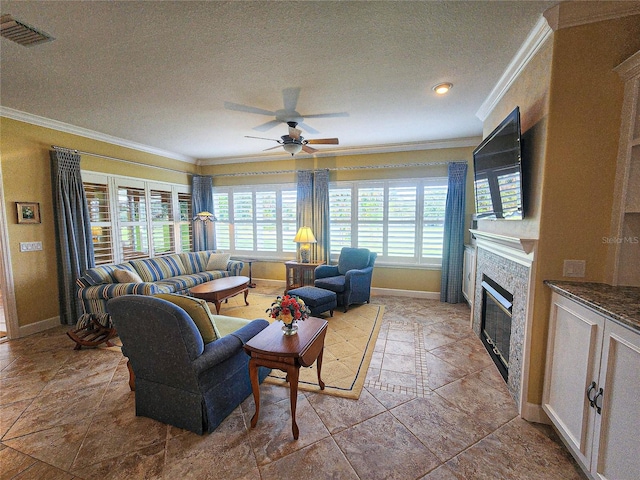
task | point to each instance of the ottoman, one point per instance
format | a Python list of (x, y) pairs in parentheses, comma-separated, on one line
[(317, 299)]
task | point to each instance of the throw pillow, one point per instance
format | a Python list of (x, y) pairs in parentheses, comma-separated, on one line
[(199, 312), (126, 276), (218, 261)]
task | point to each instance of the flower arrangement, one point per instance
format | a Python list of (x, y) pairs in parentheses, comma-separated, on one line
[(288, 309)]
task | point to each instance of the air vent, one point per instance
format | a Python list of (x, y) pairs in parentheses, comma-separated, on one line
[(22, 33)]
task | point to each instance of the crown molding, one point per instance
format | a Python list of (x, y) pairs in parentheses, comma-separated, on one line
[(529, 48), (572, 14), (83, 132), (367, 150)]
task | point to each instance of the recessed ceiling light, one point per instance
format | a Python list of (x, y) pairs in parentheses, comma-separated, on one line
[(442, 88)]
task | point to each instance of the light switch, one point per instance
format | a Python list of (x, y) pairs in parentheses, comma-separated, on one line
[(30, 246)]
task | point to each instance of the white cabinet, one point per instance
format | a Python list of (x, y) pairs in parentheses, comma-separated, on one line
[(591, 388), (624, 242), (469, 274)]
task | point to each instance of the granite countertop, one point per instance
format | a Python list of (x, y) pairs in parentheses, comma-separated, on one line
[(621, 304)]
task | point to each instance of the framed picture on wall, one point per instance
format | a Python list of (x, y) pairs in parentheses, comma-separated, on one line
[(28, 212)]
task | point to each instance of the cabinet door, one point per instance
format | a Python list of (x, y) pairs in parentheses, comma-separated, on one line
[(616, 453), (573, 357), (469, 274)]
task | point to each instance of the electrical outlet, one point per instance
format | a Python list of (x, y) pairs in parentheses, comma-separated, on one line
[(574, 268), (30, 246)]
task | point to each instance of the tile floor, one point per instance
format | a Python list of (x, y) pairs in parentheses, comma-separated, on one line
[(433, 407)]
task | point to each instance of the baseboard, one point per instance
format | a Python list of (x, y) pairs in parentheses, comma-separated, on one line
[(38, 327), (532, 412), (406, 293), (374, 291)]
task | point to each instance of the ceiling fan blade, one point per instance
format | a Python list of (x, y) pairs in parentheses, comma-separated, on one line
[(324, 141), (308, 149), (246, 108), (290, 98), (295, 132), (328, 115), (262, 138), (307, 128), (272, 148), (267, 126)]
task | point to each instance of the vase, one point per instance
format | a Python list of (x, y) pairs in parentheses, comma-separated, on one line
[(290, 328)]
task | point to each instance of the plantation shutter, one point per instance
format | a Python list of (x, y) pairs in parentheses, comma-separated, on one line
[(371, 218), (185, 225), (289, 202), (243, 220), (435, 197), (266, 217), (340, 218), (401, 236), (132, 214), (162, 237), (222, 226), (101, 232)]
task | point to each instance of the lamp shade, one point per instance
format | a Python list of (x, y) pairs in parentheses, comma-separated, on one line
[(205, 216), (305, 235), (292, 148)]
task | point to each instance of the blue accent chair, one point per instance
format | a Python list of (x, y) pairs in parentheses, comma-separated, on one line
[(178, 379), (351, 278)]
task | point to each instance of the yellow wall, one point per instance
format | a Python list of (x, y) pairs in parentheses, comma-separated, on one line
[(26, 176), (570, 100), (341, 169), (585, 102)]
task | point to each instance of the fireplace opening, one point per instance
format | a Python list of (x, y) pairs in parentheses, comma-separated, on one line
[(497, 306)]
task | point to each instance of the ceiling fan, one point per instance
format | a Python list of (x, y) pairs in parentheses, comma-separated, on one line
[(285, 115), (295, 142)]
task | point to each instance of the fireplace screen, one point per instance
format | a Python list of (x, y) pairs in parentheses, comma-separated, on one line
[(497, 305)]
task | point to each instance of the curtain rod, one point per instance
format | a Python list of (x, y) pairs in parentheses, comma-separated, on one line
[(131, 162), (335, 169), (274, 172)]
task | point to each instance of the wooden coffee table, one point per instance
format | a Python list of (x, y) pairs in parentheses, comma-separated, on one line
[(271, 348), (220, 289)]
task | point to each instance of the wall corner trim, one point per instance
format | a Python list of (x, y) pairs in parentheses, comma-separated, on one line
[(529, 48)]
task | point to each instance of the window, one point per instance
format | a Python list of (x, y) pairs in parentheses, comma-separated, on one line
[(131, 218), (256, 219), (100, 218), (401, 220)]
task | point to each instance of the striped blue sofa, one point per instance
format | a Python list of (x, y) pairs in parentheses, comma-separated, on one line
[(175, 273)]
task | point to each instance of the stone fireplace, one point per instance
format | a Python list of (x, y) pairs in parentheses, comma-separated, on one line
[(504, 265)]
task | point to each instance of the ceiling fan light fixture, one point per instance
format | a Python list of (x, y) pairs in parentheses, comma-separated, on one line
[(292, 148), (442, 88)]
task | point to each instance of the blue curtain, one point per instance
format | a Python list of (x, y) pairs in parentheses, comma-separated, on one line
[(73, 230), (202, 201), (453, 244), (320, 226), (313, 210)]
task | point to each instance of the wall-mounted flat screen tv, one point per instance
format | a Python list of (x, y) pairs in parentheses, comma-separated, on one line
[(497, 164)]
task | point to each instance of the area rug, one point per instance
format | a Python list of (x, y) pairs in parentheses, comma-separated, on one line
[(348, 345)]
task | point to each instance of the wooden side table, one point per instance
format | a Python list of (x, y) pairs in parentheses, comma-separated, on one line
[(299, 274), (271, 348)]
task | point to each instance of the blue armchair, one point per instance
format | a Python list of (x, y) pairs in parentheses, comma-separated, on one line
[(179, 379), (351, 278)]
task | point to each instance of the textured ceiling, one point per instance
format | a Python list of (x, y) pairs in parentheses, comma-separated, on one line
[(160, 73)]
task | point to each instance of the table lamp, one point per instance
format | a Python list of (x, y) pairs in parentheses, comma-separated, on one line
[(305, 237)]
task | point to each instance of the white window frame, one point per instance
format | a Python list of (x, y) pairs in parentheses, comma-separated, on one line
[(113, 182), (224, 221), (417, 260)]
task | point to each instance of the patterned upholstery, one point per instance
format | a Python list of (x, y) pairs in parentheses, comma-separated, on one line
[(175, 273)]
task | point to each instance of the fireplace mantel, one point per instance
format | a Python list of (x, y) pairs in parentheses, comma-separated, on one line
[(520, 250)]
